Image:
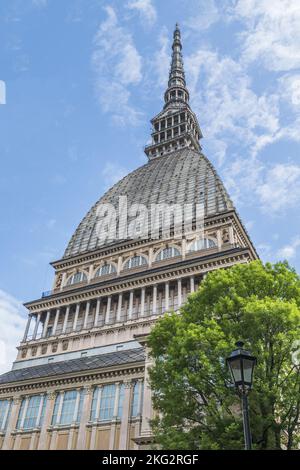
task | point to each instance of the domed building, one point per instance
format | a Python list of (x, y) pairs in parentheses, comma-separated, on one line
[(80, 377)]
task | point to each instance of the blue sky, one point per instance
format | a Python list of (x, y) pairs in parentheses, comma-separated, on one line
[(83, 79)]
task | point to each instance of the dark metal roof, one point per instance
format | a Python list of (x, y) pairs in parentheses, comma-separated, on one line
[(75, 365), (182, 177)]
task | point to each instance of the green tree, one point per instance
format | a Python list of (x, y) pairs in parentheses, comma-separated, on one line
[(258, 304)]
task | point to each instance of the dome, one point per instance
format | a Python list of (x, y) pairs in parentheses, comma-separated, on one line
[(181, 177)]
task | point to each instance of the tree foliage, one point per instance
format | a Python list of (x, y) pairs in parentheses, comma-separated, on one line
[(257, 303)]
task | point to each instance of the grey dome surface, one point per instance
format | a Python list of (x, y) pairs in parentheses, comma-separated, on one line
[(182, 177)]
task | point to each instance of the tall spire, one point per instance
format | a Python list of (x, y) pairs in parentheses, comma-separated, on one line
[(176, 91), (176, 126)]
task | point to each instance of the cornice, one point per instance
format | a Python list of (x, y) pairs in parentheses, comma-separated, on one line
[(70, 379), (140, 279)]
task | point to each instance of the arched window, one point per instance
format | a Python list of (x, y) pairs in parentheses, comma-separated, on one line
[(105, 269), (202, 244), (167, 253), (76, 278), (135, 262)]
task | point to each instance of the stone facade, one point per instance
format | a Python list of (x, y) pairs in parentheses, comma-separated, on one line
[(80, 380)]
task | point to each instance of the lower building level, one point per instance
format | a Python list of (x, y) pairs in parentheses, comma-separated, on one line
[(103, 403)]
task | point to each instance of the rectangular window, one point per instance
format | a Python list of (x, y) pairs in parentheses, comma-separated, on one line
[(107, 402), (29, 415), (4, 413), (67, 407)]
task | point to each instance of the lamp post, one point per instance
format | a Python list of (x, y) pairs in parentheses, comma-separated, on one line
[(241, 365)]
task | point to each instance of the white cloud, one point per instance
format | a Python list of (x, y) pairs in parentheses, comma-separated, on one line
[(145, 8), (209, 13), (290, 90), (290, 250), (229, 110), (160, 64), (272, 34), (117, 65), (13, 321), (280, 188)]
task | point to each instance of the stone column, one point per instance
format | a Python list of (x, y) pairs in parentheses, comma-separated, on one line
[(143, 293), (138, 418), (179, 294), (97, 312), (150, 257), (32, 440), (53, 441), (47, 419), (66, 319), (63, 281), (46, 323), (219, 239), (183, 248), (192, 284), (108, 307), (147, 401), (27, 328), (76, 317), (55, 322), (39, 415), (86, 410), (154, 300), (86, 315), (125, 415), (119, 311), (167, 295), (12, 423), (130, 305), (119, 267), (91, 269), (97, 412), (115, 418), (37, 322)]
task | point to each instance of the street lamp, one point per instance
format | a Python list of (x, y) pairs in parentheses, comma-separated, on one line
[(241, 365)]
